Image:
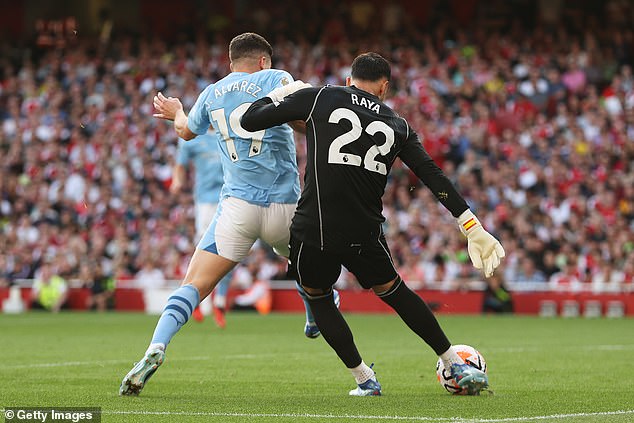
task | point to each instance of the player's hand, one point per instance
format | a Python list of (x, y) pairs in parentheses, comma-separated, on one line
[(278, 94), (485, 251), (167, 107)]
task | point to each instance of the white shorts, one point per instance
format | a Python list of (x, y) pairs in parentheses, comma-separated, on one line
[(205, 213), (237, 224)]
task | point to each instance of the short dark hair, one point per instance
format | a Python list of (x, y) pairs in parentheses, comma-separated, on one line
[(370, 67), (247, 45)]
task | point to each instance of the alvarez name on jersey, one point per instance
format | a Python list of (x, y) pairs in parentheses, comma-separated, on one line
[(260, 167)]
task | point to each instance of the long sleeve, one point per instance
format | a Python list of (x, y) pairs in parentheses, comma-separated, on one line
[(420, 162), (264, 113)]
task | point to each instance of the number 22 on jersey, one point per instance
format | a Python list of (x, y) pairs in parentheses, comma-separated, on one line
[(335, 156), (218, 115)]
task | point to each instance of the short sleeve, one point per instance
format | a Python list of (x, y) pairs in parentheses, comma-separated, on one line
[(282, 78), (198, 118)]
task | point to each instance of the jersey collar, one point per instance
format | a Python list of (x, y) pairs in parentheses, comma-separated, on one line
[(366, 93)]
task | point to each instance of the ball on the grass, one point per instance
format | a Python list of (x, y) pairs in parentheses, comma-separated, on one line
[(471, 356)]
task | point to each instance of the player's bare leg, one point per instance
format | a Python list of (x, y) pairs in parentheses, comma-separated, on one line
[(204, 272)]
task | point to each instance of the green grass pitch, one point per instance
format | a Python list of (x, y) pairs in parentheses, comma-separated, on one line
[(263, 369)]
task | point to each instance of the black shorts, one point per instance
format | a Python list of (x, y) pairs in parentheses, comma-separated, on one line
[(371, 264)]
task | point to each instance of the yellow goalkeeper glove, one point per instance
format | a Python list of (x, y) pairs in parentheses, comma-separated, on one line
[(484, 250)]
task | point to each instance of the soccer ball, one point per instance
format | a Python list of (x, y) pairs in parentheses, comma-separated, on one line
[(471, 356)]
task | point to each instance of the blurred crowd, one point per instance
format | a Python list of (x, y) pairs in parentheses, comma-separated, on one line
[(535, 127)]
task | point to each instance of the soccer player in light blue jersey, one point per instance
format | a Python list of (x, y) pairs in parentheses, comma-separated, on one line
[(204, 154), (257, 200)]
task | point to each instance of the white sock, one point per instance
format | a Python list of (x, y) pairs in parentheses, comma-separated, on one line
[(450, 357), (154, 346), (362, 373)]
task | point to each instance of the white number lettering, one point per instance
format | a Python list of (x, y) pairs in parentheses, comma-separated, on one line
[(335, 156), (375, 150), (219, 116), (334, 152), (234, 122), (256, 137)]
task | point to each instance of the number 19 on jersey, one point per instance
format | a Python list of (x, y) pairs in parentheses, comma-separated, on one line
[(219, 117)]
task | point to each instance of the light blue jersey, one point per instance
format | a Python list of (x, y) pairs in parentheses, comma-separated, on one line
[(259, 167), (204, 152)]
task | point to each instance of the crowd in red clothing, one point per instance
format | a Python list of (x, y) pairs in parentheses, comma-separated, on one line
[(535, 128)]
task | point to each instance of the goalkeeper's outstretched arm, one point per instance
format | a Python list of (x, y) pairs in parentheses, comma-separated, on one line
[(484, 250), (289, 103)]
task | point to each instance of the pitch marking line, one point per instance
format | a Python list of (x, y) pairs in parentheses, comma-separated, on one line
[(364, 417), (367, 417), (83, 363), (101, 363)]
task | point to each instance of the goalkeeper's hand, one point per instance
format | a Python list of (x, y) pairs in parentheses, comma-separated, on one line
[(484, 250), (278, 94)]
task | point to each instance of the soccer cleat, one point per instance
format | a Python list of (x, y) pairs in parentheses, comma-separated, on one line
[(219, 317), (369, 388), (198, 315), (469, 378), (310, 328), (136, 378)]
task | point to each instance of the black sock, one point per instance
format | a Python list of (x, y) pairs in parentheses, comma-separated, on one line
[(335, 330), (417, 315)]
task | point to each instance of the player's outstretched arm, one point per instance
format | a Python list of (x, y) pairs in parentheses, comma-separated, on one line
[(284, 104), (171, 108), (484, 250)]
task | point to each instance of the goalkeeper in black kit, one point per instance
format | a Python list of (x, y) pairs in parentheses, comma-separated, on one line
[(353, 139)]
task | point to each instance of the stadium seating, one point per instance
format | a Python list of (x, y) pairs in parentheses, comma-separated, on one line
[(86, 169)]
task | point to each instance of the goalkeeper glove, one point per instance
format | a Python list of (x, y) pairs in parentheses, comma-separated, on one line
[(484, 250), (278, 94)]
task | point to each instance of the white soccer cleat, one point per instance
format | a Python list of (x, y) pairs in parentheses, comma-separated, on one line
[(369, 388), (135, 380)]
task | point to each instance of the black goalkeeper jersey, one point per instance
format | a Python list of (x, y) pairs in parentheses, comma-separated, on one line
[(353, 139)]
